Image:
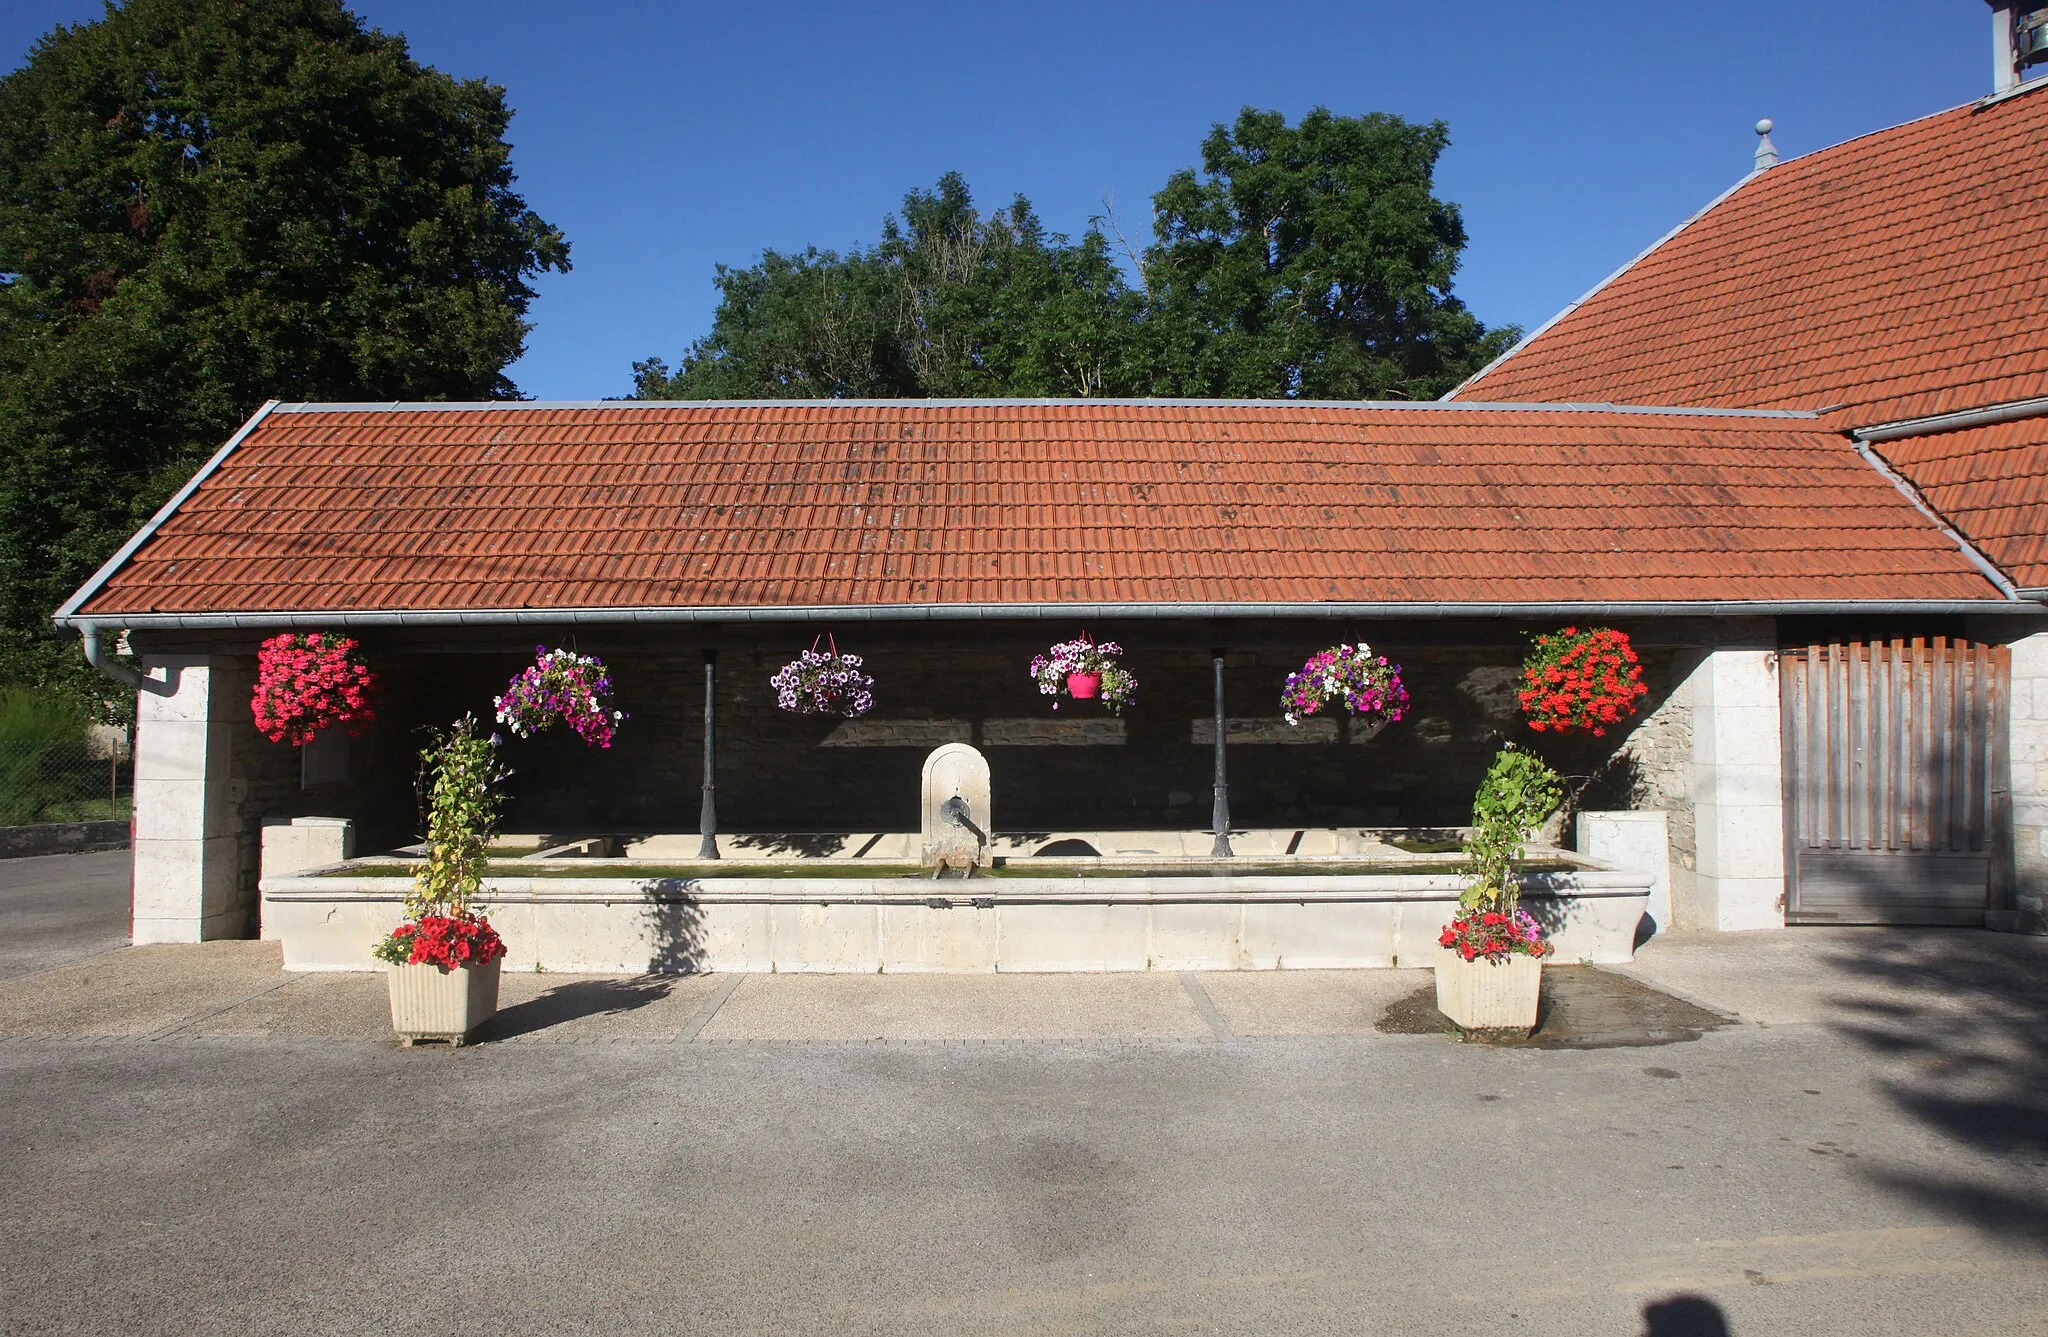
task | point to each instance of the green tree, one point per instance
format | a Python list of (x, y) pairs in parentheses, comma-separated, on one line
[(208, 203), (950, 302), (1312, 261)]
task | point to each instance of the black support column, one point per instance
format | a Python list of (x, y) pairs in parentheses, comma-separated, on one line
[(1220, 817), (707, 820)]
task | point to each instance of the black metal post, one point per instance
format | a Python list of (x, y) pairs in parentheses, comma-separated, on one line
[(1220, 817), (707, 820)]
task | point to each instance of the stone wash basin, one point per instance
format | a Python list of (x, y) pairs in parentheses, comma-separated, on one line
[(808, 904)]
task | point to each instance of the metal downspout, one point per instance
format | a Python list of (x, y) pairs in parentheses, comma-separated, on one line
[(95, 655)]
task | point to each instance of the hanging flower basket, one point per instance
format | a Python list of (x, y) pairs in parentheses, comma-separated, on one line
[(306, 682), (1581, 680), (824, 682), (561, 685), (1085, 670), (1351, 676)]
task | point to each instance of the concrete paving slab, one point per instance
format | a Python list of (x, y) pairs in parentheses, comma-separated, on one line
[(1833, 976), (351, 1005), (1308, 1002), (957, 1007), (136, 991), (572, 1008)]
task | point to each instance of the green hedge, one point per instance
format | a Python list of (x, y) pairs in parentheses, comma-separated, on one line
[(46, 773)]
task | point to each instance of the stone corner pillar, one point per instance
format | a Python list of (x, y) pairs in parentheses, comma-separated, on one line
[(2028, 741), (187, 860), (1737, 794)]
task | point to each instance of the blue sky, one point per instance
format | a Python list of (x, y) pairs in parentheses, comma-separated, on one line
[(665, 138)]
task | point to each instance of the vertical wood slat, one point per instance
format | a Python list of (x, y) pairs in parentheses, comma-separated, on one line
[(1890, 799), (1814, 772), (1920, 697), (1856, 821), (1822, 783), (1838, 750), (2004, 878), (1977, 801), (1950, 723)]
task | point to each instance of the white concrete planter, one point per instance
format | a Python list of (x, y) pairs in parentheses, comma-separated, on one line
[(1487, 995), (435, 1003)]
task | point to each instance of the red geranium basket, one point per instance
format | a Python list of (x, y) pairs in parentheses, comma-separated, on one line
[(1581, 680)]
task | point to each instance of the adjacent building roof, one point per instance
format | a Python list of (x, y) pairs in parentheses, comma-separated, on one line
[(345, 510), (1896, 275), (1992, 484)]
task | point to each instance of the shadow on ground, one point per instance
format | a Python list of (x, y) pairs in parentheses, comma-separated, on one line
[(571, 1001), (1684, 1316), (1962, 1017), (1581, 1007)]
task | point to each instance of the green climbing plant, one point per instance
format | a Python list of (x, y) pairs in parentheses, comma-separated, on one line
[(1518, 793), (459, 784)]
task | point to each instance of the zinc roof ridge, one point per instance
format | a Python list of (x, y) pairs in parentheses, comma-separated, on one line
[(1285, 405)]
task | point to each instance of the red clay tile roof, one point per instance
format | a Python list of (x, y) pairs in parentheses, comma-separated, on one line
[(325, 508), (1991, 483), (1900, 274)]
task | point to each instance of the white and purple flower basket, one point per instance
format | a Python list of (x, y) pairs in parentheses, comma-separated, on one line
[(1351, 676), (824, 682), (561, 685)]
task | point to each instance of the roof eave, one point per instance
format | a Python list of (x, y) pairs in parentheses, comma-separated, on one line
[(974, 612)]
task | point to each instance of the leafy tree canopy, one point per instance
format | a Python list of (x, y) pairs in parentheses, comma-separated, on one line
[(1306, 261), (209, 203), (950, 302)]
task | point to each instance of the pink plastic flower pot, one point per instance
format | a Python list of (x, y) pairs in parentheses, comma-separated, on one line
[(1084, 686)]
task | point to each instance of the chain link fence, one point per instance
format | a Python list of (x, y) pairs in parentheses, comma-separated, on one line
[(57, 768)]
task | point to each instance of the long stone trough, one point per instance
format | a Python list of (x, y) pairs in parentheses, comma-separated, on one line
[(605, 919)]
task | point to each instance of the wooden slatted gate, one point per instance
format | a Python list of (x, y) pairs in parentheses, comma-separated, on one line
[(1897, 789)]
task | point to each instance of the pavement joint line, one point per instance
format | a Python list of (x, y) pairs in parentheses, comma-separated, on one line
[(709, 1008), (1206, 1006), (232, 1003)]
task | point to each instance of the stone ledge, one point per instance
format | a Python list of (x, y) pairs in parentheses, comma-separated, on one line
[(17, 842)]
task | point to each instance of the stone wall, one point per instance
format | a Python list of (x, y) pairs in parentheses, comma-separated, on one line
[(1075, 767), (2029, 758)]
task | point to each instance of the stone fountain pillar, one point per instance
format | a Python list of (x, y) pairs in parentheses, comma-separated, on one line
[(955, 805)]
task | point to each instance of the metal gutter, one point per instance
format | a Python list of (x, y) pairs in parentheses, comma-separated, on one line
[(1910, 492), (2015, 411), (143, 535), (1363, 405), (982, 612)]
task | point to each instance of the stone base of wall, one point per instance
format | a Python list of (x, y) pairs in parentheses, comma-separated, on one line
[(17, 842), (862, 925)]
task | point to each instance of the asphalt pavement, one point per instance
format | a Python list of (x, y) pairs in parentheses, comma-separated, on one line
[(195, 1142), (56, 908)]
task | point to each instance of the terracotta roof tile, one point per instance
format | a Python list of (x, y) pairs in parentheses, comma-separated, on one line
[(1897, 275), (324, 508), (1991, 483)]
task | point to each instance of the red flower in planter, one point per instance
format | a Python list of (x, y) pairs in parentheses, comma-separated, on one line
[(448, 941)]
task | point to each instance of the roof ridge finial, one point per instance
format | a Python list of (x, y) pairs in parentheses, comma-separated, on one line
[(1766, 151)]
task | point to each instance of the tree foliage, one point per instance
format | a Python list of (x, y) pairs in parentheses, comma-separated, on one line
[(950, 302), (1310, 260), (208, 203)]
